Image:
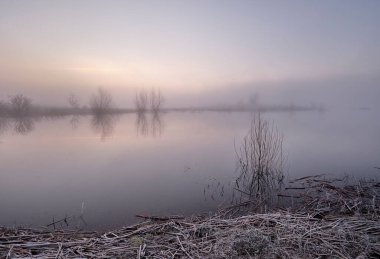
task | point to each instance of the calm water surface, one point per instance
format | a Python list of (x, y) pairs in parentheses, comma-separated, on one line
[(175, 163)]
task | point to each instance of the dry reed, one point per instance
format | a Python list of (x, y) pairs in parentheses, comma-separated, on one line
[(348, 228)]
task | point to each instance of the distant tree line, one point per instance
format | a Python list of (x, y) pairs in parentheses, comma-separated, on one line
[(17, 105), (100, 103)]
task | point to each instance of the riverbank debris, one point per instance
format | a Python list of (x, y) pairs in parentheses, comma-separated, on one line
[(331, 222)]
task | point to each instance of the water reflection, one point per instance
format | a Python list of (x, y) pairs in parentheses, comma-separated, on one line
[(197, 152), (74, 121), (154, 126), (157, 125), (259, 166), (104, 124), (23, 125), (147, 124), (142, 124)]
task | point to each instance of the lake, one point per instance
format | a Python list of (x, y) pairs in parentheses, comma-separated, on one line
[(111, 168)]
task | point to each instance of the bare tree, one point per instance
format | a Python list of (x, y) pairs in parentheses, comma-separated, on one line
[(141, 101), (156, 100), (73, 101), (101, 102), (20, 105), (260, 161)]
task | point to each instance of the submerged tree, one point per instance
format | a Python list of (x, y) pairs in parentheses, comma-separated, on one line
[(152, 101), (156, 100), (141, 101), (20, 105), (73, 101), (101, 102), (260, 161)]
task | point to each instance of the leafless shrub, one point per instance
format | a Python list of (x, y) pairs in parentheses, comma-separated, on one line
[(20, 105), (152, 101), (141, 101), (73, 101), (146, 127), (101, 102), (260, 161), (156, 100)]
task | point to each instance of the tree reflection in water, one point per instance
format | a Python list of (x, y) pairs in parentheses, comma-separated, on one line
[(20, 125), (153, 127), (142, 124), (104, 124), (74, 121), (260, 169), (23, 125), (157, 124), (101, 123)]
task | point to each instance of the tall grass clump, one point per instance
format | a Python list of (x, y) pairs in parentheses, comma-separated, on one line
[(260, 161)]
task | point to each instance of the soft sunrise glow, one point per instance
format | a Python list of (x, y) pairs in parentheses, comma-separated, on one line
[(182, 47)]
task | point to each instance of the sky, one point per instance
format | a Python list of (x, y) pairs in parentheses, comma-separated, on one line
[(193, 51)]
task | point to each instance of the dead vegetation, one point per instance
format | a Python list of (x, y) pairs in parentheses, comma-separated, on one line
[(260, 162), (348, 228), (101, 102), (145, 101)]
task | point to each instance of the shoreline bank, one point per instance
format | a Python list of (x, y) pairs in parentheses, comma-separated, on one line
[(331, 221)]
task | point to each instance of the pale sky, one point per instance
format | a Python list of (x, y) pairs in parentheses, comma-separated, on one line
[(49, 49)]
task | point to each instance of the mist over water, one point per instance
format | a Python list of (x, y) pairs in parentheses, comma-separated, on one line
[(165, 163), (110, 109)]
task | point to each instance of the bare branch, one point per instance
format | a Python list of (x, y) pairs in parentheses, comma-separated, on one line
[(141, 101), (73, 101), (20, 105), (260, 160), (156, 100), (101, 102)]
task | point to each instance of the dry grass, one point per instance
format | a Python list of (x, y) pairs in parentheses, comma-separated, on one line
[(353, 232)]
